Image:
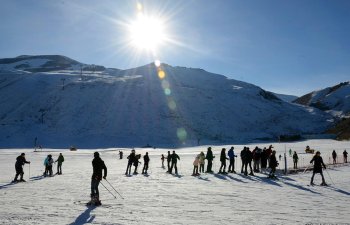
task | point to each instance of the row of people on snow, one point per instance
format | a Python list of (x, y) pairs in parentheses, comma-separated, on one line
[(48, 163)]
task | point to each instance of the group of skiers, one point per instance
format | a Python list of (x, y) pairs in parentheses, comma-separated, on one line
[(133, 160), (48, 163), (345, 156)]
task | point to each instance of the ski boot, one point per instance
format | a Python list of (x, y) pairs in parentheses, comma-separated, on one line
[(324, 184)]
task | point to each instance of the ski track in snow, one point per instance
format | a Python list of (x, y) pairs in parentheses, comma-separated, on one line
[(162, 198)]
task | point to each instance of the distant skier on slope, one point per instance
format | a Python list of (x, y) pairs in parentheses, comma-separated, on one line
[(174, 158), (20, 161), (59, 161), (257, 159), (97, 165), (223, 159), (295, 160), (273, 164), (231, 155), (345, 155), (195, 166), (318, 164), (120, 154), (201, 162), (145, 163), (210, 159), (162, 158), (131, 159), (334, 156), (48, 162), (136, 163), (263, 159), (168, 159)]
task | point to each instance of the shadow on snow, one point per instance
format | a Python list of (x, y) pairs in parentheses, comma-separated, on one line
[(85, 217)]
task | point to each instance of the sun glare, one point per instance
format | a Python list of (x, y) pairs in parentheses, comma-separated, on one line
[(147, 33)]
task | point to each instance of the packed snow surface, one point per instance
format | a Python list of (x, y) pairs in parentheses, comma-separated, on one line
[(161, 198)]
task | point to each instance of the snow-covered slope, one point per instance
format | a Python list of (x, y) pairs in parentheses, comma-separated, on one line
[(136, 107), (335, 100)]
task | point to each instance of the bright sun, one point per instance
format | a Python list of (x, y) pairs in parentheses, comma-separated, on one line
[(147, 33)]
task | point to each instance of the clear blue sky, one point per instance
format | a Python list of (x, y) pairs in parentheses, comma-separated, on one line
[(285, 46)]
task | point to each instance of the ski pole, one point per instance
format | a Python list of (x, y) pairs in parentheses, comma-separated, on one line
[(114, 189), (329, 176), (29, 172), (108, 190), (307, 168)]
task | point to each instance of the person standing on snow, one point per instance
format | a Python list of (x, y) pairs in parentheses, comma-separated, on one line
[(131, 159), (195, 166), (231, 155), (263, 159), (59, 161), (162, 158), (201, 162), (334, 155), (97, 165), (48, 162), (295, 160), (174, 158), (257, 159), (145, 163), (223, 159), (248, 158), (273, 164), (345, 155), (210, 159), (136, 163), (318, 164), (168, 159), (20, 161), (120, 154)]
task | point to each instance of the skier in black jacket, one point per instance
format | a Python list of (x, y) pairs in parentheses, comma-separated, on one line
[(168, 159), (273, 164), (145, 163), (223, 159), (20, 161), (318, 164), (131, 158), (210, 158), (97, 165), (248, 157), (174, 158)]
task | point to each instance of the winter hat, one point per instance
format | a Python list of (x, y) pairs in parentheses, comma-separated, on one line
[(96, 154), (22, 154)]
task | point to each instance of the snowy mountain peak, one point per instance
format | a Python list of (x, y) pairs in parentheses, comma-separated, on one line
[(335, 99)]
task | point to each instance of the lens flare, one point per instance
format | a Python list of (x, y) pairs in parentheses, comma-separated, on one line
[(172, 104), (157, 63), (161, 74), (167, 91), (165, 84), (139, 6), (181, 134)]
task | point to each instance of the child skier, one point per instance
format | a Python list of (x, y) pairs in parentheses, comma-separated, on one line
[(162, 158), (201, 162), (318, 163), (195, 166)]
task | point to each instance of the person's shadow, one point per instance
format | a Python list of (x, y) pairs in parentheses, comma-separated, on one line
[(85, 217)]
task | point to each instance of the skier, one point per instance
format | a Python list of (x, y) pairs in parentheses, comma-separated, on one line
[(290, 152), (97, 165), (247, 158), (210, 159), (120, 154), (231, 155), (174, 157), (257, 159), (59, 161), (280, 157), (168, 159), (263, 159), (201, 162), (345, 155), (243, 158), (162, 158), (136, 163), (223, 159), (48, 165), (195, 166), (145, 163), (295, 160), (20, 161), (334, 156), (131, 159), (318, 163), (273, 164), (269, 152)]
